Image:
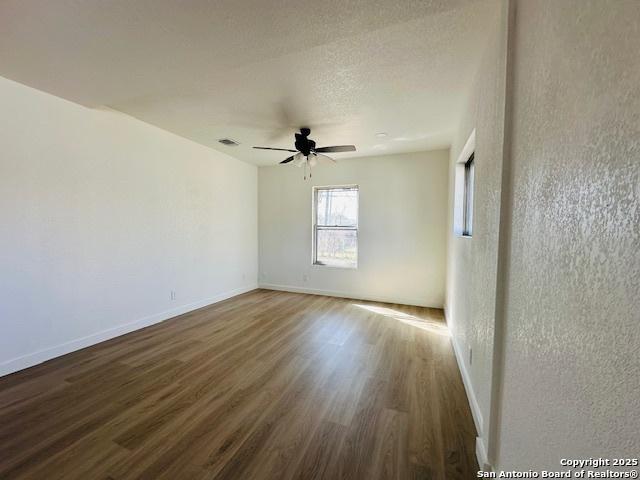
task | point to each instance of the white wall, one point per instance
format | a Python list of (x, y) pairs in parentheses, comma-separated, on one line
[(571, 366), (473, 262), (402, 239), (101, 217), (546, 292)]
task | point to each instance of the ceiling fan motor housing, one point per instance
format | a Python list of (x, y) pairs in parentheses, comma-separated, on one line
[(304, 144)]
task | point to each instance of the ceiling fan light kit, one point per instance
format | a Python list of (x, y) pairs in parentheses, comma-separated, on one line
[(306, 153)]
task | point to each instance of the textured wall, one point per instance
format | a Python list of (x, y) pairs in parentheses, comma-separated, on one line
[(572, 339), (402, 228), (472, 262)]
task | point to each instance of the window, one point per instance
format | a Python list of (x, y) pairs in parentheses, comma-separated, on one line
[(467, 202), (335, 226), (463, 189)]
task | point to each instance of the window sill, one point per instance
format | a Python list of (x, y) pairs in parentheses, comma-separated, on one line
[(324, 265)]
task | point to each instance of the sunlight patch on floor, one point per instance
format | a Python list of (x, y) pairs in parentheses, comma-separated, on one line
[(421, 323)]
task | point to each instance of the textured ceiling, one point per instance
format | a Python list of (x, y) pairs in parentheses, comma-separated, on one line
[(255, 70)]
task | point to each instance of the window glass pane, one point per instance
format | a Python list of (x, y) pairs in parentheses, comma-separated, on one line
[(468, 196), (337, 248), (338, 206)]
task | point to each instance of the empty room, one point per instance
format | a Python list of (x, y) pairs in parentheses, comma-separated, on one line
[(372, 239)]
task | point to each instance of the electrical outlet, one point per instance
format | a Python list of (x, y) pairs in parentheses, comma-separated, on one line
[(173, 294)]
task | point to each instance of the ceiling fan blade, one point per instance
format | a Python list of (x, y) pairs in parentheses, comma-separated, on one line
[(279, 149), (337, 148), (287, 160), (325, 157)]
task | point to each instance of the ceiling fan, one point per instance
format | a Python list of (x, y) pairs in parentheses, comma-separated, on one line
[(306, 152)]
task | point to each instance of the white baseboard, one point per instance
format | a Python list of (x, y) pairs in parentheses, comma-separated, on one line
[(481, 456), (468, 386), (481, 453), (31, 359), (355, 296)]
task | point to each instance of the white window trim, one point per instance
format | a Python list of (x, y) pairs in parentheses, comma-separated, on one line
[(314, 189), (459, 186)]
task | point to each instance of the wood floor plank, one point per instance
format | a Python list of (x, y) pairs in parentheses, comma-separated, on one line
[(390, 454), (265, 385), (320, 459)]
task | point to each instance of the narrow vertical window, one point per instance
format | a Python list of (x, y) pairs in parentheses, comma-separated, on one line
[(335, 226), (467, 203)]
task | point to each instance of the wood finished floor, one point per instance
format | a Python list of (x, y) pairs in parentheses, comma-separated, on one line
[(266, 385)]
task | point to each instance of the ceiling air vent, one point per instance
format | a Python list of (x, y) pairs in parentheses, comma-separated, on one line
[(228, 142)]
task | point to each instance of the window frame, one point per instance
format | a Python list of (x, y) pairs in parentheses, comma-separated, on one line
[(467, 201), (316, 227), (464, 189)]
